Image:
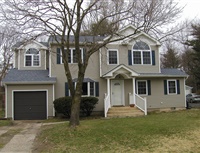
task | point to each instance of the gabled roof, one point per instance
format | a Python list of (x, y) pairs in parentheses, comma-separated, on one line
[(16, 76), (139, 33), (21, 44), (121, 69)]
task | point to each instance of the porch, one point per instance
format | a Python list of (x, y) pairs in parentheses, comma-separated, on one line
[(136, 108), (122, 89)]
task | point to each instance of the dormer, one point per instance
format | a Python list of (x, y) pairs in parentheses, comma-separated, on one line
[(31, 56)]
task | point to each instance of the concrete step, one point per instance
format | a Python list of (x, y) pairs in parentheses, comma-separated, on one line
[(124, 112)]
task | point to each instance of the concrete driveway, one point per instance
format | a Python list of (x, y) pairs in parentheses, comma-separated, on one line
[(23, 141)]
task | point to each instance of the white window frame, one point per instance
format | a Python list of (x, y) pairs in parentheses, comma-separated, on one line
[(141, 51), (142, 60), (71, 53), (146, 87), (108, 56), (175, 87), (32, 59), (88, 89)]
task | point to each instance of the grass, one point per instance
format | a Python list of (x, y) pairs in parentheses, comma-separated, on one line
[(4, 122), (141, 134)]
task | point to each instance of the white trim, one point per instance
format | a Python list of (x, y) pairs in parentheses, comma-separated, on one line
[(185, 92), (19, 54), (14, 59), (108, 88), (111, 73), (133, 83), (47, 103), (141, 54), (122, 91), (32, 58), (33, 41), (6, 101), (108, 56), (168, 86), (45, 56), (50, 64), (146, 87), (158, 58)]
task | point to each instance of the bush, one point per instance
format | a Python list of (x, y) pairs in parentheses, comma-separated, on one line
[(88, 104), (63, 105)]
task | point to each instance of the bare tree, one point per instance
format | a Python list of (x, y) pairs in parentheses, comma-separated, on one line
[(61, 18), (8, 37)]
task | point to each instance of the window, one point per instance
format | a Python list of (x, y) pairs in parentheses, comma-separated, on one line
[(72, 56), (141, 53), (112, 57), (88, 88), (171, 86), (142, 87), (32, 57)]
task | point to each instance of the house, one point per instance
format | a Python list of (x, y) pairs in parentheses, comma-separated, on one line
[(123, 73)]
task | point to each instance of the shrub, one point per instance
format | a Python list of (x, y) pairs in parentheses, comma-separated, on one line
[(63, 105), (88, 104)]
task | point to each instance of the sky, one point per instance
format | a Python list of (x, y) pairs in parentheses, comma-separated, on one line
[(191, 9)]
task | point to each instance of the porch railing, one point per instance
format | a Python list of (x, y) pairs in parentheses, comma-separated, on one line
[(106, 104), (141, 103)]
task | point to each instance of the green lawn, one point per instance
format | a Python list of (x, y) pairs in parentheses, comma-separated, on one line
[(140, 134), (4, 122)]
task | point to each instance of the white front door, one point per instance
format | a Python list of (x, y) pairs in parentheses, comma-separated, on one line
[(117, 92)]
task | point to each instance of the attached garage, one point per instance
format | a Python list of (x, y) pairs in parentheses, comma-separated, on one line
[(30, 105)]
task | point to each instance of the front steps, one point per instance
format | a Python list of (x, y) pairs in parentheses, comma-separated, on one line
[(124, 111)]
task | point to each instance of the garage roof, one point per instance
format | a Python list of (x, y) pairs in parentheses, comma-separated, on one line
[(28, 76)]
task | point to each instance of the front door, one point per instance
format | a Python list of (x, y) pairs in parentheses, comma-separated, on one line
[(117, 95)]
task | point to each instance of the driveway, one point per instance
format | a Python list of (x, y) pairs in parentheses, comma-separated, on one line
[(23, 141)]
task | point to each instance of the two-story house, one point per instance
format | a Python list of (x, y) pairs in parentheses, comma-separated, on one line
[(121, 74)]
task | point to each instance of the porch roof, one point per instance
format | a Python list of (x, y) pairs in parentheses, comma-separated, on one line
[(123, 70), (166, 72), (16, 76)]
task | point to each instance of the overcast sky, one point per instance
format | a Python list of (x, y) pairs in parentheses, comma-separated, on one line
[(191, 9)]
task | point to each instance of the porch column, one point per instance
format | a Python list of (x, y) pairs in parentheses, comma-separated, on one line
[(108, 86), (133, 90)]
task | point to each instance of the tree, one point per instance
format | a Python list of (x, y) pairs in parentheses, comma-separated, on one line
[(171, 58), (61, 18), (195, 60), (8, 37)]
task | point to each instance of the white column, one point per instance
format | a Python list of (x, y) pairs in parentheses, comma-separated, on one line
[(108, 87), (133, 90)]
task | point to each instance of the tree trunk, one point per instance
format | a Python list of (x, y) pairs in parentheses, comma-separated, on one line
[(75, 111)]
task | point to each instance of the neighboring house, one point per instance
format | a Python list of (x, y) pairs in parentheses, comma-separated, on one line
[(121, 74), (188, 89)]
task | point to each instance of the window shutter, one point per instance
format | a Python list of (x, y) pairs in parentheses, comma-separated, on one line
[(97, 89), (178, 86), (129, 58), (58, 55), (153, 57), (149, 86), (66, 89), (84, 52), (165, 87)]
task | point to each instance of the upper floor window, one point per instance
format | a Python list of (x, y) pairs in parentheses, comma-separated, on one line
[(72, 56), (141, 53), (112, 56), (32, 57)]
